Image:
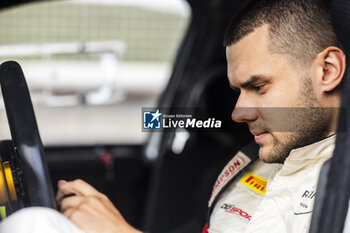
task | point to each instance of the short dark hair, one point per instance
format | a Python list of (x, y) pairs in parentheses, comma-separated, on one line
[(300, 28)]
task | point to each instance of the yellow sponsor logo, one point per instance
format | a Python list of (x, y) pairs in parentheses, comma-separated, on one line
[(257, 183)]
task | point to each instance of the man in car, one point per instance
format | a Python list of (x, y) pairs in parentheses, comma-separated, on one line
[(286, 62)]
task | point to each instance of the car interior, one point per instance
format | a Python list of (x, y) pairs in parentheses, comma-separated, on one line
[(161, 185)]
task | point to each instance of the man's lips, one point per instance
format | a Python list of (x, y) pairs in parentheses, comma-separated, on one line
[(259, 135)]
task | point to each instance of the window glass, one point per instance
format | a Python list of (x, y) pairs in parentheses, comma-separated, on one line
[(92, 64)]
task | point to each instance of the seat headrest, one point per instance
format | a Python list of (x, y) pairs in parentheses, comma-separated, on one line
[(340, 13)]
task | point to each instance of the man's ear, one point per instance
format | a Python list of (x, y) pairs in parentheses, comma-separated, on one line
[(330, 65)]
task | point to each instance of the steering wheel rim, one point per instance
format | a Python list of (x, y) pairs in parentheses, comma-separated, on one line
[(25, 136)]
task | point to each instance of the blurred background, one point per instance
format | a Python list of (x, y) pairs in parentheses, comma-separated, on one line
[(92, 64)]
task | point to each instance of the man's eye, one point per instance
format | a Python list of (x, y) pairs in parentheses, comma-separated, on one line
[(258, 88)]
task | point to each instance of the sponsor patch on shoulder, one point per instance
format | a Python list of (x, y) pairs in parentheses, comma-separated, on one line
[(254, 182), (232, 209), (237, 163)]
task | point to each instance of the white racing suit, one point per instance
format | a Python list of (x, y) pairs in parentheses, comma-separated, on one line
[(268, 198), (263, 198), (38, 220)]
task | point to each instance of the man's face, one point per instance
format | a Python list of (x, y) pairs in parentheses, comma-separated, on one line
[(276, 99)]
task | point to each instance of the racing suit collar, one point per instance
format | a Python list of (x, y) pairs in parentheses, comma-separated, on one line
[(303, 156)]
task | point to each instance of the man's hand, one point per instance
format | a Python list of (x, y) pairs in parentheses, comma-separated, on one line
[(89, 209)]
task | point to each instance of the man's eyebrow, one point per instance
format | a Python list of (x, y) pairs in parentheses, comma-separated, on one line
[(250, 82)]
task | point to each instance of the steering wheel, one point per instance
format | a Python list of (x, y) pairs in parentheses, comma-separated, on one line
[(24, 177)]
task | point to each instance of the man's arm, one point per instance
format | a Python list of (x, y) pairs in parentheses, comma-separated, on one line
[(89, 209)]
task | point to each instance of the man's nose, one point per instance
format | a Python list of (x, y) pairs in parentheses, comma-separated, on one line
[(244, 111)]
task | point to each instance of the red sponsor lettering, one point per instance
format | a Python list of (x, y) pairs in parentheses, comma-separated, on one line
[(249, 179), (258, 186), (238, 211), (237, 163), (231, 169), (227, 172), (254, 182)]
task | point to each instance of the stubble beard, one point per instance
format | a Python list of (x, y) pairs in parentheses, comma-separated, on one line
[(310, 124)]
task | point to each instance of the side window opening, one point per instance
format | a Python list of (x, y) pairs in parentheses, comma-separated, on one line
[(91, 65)]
